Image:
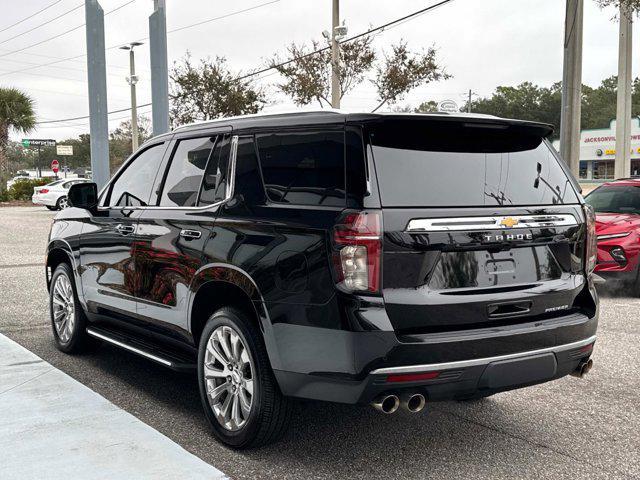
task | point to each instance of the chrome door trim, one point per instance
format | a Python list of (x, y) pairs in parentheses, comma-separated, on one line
[(430, 367), (495, 222)]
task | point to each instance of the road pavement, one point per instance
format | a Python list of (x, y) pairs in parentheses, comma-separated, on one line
[(569, 428)]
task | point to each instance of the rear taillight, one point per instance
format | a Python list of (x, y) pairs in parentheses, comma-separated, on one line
[(358, 251), (591, 251), (44, 190)]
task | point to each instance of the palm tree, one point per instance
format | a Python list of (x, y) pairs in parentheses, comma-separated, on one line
[(16, 113)]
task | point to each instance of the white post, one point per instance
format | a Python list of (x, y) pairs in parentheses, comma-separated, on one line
[(623, 115), (159, 68), (97, 79), (572, 86)]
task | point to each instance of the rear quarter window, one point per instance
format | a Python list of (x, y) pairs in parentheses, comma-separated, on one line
[(303, 168)]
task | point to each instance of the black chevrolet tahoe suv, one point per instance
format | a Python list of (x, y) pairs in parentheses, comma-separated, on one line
[(383, 259)]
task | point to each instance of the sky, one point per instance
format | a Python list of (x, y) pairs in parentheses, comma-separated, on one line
[(481, 43)]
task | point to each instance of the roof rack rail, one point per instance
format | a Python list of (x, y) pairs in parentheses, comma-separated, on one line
[(329, 111)]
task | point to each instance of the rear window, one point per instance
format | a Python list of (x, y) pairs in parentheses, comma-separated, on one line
[(615, 199), (457, 165)]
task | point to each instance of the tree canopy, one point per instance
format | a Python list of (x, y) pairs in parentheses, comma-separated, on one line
[(16, 113), (532, 102), (209, 90), (307, 78), (633, 5)]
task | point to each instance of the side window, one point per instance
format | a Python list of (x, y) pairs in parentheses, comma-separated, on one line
[(183, 179), (304, 168), (214, 186), (133, 186)]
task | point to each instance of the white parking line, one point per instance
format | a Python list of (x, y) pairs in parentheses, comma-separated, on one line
[(53, 427)]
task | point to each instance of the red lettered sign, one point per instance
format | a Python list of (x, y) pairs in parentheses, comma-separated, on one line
[(55, 166)]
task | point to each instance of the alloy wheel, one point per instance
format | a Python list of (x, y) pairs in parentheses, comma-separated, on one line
[(229, 378), (63, 203), (64, 308)]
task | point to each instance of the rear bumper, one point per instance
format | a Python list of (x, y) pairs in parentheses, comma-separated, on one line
[(463, 379), (43, 200), (354, 366)]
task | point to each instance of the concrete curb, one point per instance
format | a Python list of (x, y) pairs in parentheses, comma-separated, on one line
[(53, 427)]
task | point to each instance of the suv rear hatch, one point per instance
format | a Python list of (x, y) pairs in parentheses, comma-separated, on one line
[(483, 225)]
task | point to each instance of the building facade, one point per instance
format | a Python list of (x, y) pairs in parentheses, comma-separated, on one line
[(598, 152)]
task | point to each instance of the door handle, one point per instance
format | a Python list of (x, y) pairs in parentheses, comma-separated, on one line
[(190, 234), (125, 229)]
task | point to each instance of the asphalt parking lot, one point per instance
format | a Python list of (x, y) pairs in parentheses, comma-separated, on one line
[(570, 428)]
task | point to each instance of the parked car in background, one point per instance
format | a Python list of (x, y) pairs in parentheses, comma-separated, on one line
[(54, 195), (389, 260), (617, 207), (17, 178)]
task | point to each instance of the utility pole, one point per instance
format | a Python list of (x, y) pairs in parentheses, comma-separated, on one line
[(159, 68), (335, 55), (572, 86), (623, 114), (132, 79), (97, 80), (469, 102)]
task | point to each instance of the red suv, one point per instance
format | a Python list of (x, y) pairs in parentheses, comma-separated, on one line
[(617, 207)]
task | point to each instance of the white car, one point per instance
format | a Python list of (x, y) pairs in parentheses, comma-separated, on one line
[(15, 179), (54, 194)]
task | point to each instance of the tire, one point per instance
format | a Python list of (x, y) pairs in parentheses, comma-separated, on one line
[(70, 328), (269, 412), (51, 208), (62, 203), (635, 287)]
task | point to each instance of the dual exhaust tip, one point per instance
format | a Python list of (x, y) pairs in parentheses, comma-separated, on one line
[(390, 403), (583, 368)]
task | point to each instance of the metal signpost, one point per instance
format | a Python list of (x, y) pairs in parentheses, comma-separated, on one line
[(33, 142)]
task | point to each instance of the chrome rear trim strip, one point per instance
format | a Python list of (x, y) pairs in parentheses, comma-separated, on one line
[(431, 367), (490, 223), (120, 344)]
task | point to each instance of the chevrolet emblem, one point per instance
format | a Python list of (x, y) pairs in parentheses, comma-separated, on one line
[(509, 222)]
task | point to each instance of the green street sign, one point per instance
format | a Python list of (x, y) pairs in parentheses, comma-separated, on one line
[(32, 142)]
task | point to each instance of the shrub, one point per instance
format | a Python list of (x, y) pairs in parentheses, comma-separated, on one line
[(23, 189)]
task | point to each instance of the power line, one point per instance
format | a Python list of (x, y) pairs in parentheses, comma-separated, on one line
[(221, 17), (315, 52), (82, 70), (63, 33), (350, 39), (30, 16), (237, 12), (42, 24)]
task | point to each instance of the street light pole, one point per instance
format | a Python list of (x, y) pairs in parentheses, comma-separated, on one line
[(132, 79), (335, 56)]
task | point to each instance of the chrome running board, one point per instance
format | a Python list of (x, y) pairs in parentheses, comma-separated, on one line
[(139, 347)]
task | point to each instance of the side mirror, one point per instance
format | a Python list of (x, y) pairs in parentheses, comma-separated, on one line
[(83, 195)]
